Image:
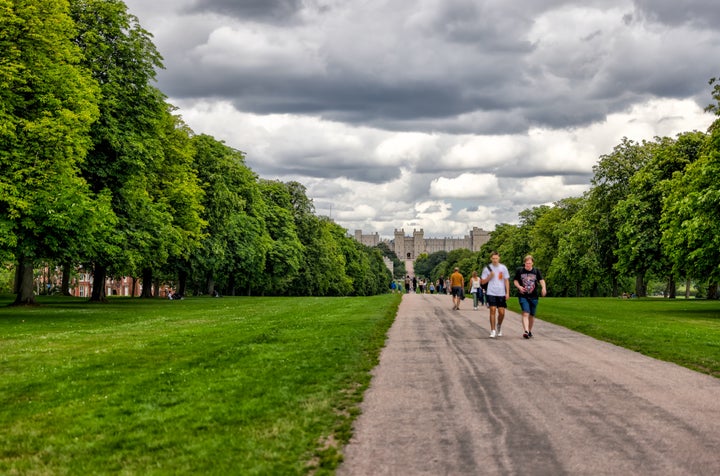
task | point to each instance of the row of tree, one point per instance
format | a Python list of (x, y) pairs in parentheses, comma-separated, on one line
[(651, 213), (97, 170)]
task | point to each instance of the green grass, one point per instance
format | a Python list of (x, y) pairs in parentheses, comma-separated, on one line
[(200, 386), (686, 332)]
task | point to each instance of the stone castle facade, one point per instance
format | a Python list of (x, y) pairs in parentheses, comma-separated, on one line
[(408, 248)]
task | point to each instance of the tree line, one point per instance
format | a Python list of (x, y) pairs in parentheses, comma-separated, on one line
[(97, 170), (650, 216)]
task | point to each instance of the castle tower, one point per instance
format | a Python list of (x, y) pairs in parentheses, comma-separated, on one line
[(478, 237), (418, 243), (400, 243)]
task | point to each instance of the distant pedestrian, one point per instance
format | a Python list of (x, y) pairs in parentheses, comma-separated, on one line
[(475, 289), (527, 278), (457, 288), (497, 277)]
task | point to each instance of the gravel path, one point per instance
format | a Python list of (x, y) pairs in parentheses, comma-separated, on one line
[(447, 400)]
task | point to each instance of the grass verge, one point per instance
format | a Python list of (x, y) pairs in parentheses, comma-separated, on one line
[(199, 386), (686, 332)]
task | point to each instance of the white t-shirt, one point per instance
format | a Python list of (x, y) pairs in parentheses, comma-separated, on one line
[(496, 286)]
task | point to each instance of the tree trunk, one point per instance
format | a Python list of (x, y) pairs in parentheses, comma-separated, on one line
[(98, 289), (147, 283), (182, 282), (24, 284), (687, 288), (65, 286), (134, 286), (640, 286), (672, 288), (712, 291)]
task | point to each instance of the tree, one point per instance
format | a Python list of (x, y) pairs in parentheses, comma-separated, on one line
[(48, 104), (173, 226), (575, 270), (128, 139), (233, 255), (691, 214), (549, 228), (639, 232), (286, 250), (610, 183), (425, 264)]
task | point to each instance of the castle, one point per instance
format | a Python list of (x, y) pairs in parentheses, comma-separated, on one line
[(408, 248)]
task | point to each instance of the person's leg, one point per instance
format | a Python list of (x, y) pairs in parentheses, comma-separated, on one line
[(531, 315), (475, 299), (493, 310)]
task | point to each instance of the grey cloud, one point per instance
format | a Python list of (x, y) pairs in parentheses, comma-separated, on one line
[(699, 13), (327, 168), (276, 11), (477, 62)]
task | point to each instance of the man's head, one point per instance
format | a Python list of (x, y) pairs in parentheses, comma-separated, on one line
[(528, 261), (495, 257)]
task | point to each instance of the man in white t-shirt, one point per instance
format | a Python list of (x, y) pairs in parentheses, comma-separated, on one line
[(497, 277)]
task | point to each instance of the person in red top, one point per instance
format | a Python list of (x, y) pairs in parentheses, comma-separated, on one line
[(457, 288)]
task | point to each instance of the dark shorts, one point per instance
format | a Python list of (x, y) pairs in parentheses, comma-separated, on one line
[(528, 305), (457, 291), (496, 301)]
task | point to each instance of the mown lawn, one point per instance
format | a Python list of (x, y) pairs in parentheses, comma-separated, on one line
[(686, 332), (199, 386)]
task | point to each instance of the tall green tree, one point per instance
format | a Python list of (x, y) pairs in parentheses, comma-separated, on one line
[(127, 143), (47, 104), (691, 214), (639, 233), (576, 269), (547, 231), (610, 185), (173, 226), (232, 256), (285, 252)]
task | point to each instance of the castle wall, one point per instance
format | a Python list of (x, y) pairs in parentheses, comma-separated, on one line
[(410, 247)]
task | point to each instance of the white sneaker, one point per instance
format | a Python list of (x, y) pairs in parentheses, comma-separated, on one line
[(499, 332), (492, 334)]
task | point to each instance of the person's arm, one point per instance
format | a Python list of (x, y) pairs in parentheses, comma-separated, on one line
[(544, 289), (507, 284), (518, 286)]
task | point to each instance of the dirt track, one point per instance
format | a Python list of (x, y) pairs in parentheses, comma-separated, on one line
[(445, 400)]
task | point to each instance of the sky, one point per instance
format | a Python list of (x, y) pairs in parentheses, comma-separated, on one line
[(439, 115)]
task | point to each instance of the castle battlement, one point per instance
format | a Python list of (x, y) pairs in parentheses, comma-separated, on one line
[(410, 247)]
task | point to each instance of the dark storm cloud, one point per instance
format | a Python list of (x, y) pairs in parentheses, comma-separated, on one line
[(327, 170), (275, 11), (699, 13)]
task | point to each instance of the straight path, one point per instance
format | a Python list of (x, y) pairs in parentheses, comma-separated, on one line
[(446, 399)]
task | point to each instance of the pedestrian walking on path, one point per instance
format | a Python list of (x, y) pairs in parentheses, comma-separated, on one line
[(457, 288), (497, 277), (526, 280)]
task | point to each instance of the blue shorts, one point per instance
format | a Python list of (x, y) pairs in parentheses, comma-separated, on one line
[(496, 301), (528, 305)]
